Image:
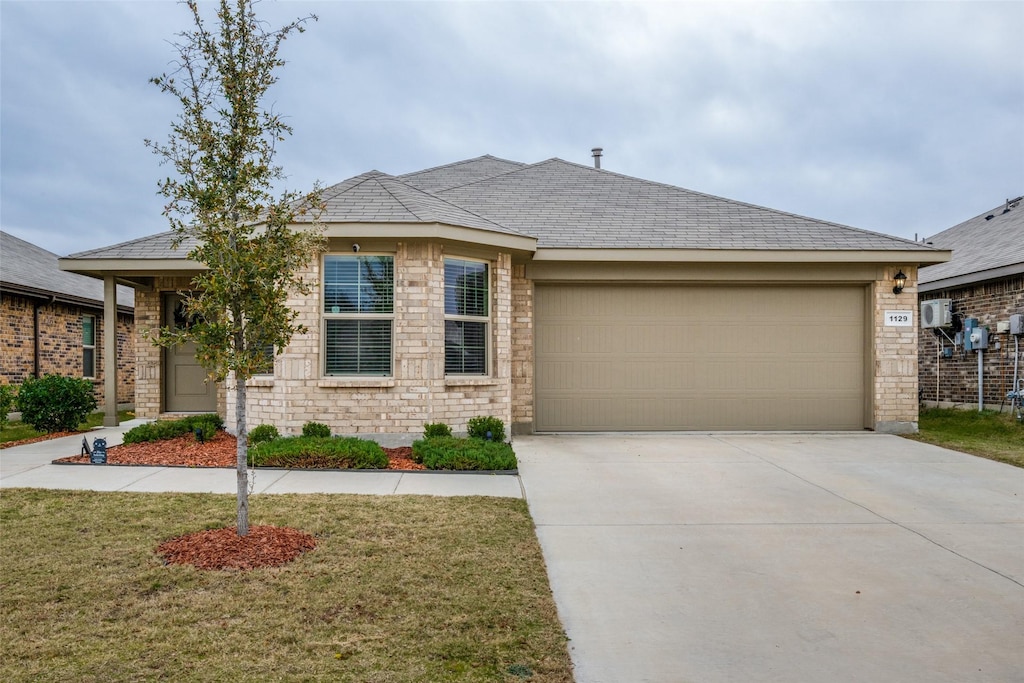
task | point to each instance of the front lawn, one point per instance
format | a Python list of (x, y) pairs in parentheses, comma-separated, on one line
[(399, 588), (988, 434)]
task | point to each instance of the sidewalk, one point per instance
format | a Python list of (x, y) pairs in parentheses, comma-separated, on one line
[(30, 466)]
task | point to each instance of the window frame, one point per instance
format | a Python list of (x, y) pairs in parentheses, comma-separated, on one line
[(89, 347), (484, 319), (326, 316)]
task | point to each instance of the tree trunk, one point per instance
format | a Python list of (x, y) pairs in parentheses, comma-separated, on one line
[(242, 456)]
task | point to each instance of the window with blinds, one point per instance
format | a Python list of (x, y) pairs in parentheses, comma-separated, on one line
[(467, 316), (358, 314)]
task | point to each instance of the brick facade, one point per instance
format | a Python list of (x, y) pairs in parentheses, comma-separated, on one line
[(954, 380), (60, 343), (894, 371), (522, 351), (418, 391)]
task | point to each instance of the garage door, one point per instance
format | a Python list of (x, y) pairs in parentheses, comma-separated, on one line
[(670, 357)]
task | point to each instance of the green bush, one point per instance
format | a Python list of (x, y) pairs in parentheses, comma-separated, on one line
[(7, 398), (479, 426), (316, 430), (434, 429), (168, 429), (450, 453), (54, 403), (263, 433), (306, 451)]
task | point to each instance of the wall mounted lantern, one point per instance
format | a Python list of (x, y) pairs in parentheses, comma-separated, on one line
[(899, 281)]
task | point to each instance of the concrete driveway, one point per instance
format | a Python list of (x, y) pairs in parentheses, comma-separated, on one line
[(780, 557)]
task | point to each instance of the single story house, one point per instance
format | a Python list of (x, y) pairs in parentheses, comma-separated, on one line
[(984, 281), (53, 322), (562, 297)]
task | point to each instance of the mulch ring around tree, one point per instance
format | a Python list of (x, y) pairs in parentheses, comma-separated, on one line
[(263, 546), (220, 451)]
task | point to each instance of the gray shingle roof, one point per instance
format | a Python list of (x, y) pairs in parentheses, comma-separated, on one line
[(376, 197), (158, 246), (26, 268), (563, 205), (459, 173), (572, 206), (981, 245)]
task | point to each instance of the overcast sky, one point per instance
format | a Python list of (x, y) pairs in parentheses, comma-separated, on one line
[(900, 118)]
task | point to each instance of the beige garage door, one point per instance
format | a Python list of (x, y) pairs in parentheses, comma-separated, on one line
[(653, 357)]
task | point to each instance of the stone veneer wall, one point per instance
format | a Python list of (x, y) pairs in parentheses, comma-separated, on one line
[(894, 380), (60, 344), (418, 391), (522, 351), (957, 377)]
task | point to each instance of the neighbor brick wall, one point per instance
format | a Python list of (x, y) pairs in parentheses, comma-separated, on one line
[(990, 302), (418, 391), (894, 372), (60, 344)]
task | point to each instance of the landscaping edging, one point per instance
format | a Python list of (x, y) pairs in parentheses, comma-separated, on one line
[(289, 469)]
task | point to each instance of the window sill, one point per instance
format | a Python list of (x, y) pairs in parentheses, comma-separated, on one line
[(355, 382), (458, 381), (259, 382)]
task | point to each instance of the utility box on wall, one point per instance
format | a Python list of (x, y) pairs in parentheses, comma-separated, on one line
[(1017, 324), (978, 339)]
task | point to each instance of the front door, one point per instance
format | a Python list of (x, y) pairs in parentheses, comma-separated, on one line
[(186, 389)]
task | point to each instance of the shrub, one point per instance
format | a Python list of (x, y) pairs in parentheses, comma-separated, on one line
[(263, 433), (54, 403), (7, 398), (433, 429), (450, 453), (311, 451), (479, 426), (316, 430), (168, 429)]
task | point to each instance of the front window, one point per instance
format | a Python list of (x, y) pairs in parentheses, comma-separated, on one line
[(88, 346), (466, 317), (358, 312)]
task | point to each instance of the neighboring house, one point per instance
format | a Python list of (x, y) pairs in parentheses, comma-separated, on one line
[(51, 322), (560, 297), (983, 281)]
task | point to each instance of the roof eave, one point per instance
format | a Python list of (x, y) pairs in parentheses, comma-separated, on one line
[(955, 281), (916, 256), (431, 231), (132, 272)]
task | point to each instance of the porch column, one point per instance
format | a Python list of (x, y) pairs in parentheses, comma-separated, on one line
[(110, 351)]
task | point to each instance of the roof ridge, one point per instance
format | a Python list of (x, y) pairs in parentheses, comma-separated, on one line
[(413, 174)]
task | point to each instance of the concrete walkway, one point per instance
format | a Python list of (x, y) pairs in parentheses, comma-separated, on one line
[(780, 557), (31, 466)]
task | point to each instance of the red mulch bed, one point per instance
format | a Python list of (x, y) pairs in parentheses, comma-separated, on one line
[(263, 546), (219, 451)]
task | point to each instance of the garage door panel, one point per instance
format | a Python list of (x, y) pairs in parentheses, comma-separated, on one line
[(688, 357)]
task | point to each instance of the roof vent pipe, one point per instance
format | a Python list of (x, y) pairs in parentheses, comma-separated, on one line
[(597, 156)]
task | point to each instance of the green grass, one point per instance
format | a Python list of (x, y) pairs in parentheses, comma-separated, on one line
[(400, 588), (988, 434), (17, 430)]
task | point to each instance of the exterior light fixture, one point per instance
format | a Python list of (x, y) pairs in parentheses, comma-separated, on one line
[(899, 281)]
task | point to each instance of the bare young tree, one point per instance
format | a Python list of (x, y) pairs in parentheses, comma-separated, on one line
[(222, 200)]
